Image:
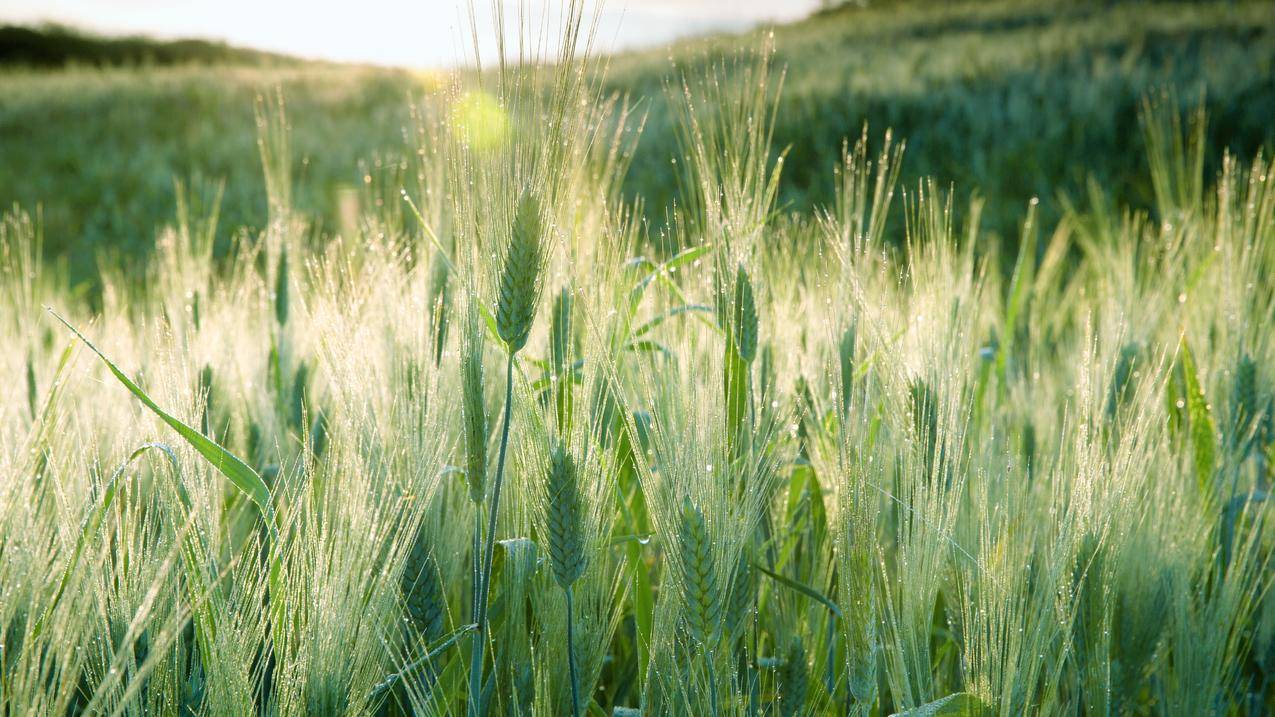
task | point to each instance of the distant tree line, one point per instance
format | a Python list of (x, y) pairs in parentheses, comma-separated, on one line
[(49, 46)]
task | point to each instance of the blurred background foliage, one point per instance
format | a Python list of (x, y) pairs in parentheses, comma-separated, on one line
[(53, 46), (1006, 96)]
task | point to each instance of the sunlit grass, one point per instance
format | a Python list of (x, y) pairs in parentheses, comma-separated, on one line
[(866, 460)]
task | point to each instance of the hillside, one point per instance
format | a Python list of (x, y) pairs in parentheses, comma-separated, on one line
[(998, 96), (1004, 97)]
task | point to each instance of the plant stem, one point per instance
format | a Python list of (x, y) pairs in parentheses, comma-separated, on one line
[(571, 659), (478, 551), (712, 682), (484, 578)]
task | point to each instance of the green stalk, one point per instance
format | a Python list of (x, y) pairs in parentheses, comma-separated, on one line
[(484, 578), (474, 580), (571, 659), (712, 683)]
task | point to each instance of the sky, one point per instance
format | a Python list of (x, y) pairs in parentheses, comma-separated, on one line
[(411, 33)]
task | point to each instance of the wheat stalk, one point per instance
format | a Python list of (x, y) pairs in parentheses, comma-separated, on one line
[(518, 296)]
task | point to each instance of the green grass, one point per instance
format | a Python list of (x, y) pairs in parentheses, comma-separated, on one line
[(998, 98), (460, 440), (101, 148)]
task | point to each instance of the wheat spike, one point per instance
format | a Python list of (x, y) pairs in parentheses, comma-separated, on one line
[(1244, 400), (699, 576), (1122, 379), (281, 289), (473, 410), (739, 608), (560, 332), (561, 349), (440, 292), (297, 408), (744, 329), (33, 392), (423, 590), (566, 520), (792, 680), (520, 280), (845, 359), (925, 410), (206, 394)]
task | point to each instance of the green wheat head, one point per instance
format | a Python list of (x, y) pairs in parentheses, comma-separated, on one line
[(744, 316), (740, 604), (519, 290), (1122, 379), (1250, 410), (793, 680), (560, 331), (473, 409), (701, 596), (423, 590), (281, 288), (566, 520)]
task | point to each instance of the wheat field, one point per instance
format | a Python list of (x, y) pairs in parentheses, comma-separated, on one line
[(490, 448)]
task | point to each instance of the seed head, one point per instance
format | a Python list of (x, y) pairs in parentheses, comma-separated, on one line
[(206, 394), (300, 386), (739, 609), (807, 413), (473, 410), (520, 280), (925, 410), (1244, 399), (560, 331), (793, 680), (700, 592), (566, 519), (845, 356), (744, 317), (319, 433), (439, 298), (1122, 379), (423, 590), (281, 289)]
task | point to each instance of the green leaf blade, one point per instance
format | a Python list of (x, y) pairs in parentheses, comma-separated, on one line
[(961, 704), (228, 464)]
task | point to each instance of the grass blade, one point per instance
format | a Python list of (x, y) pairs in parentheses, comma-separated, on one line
[(961, 704), (804, 590), (239, 473), (1203, 430)]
